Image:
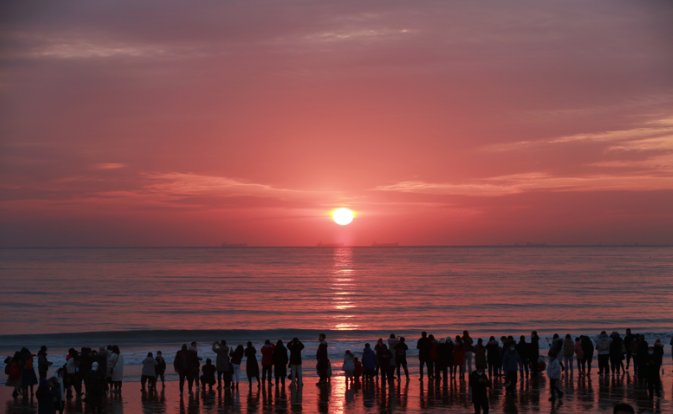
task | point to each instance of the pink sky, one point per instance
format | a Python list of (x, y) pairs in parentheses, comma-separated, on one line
[(124, 123)]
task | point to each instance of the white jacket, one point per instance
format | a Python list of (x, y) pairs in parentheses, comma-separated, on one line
[(149, 367), (118, 369), (603, 344), (349, 364), (554, 368)]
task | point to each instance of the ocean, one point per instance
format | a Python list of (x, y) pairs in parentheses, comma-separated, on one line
[(146, 299)]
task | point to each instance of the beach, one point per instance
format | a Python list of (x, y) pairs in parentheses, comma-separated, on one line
[(594, 396)]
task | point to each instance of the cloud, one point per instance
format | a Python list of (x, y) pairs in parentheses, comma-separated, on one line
[(362, 34), (660, 143), (109, 166), (471, 189), (534, 181), (179, 184), (656, 129)]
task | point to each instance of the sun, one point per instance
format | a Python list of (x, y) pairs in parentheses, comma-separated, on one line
[(343, 216)]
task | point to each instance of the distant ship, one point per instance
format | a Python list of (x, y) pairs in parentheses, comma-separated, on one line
[(377, 244), (229, 245), (321, 244)]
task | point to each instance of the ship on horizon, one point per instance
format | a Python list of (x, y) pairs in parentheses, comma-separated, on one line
[(230, 245)]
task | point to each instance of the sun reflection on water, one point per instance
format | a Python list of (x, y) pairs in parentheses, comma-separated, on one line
[(342, 284)]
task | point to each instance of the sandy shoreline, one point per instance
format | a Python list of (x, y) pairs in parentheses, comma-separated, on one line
[(594, 395)]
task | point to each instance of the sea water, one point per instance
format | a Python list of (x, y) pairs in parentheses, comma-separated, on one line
[(146, 299)]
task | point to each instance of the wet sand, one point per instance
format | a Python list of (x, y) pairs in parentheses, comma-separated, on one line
[(597, 395)]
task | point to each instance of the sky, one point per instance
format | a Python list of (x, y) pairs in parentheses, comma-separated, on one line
[(126, 123)]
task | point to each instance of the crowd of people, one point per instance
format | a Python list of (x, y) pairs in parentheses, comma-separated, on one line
[(440, 361), (97, 372)]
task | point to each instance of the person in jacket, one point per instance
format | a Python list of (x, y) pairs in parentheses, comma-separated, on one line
[(579, 356), (357, 373), (588, 348), (349, 366), (616, 354), (160, 364), (267, 360), (554, 375), (236, 360), (43, 363), (443, 360), (368, 363), (322, 358), (387, 365), (480, 355), (400, 351), (45, 398), (56, 383), (296, 347), (117, 370), (432, 357), (208, 372), (447, 349), (28, 377), (468, 344), (510, 366), (72, 375), (280, 361), (568, 350), (523, 349), (195, 362), (651, 367), (13, 373), (378, 349), (182, 366), (149, 373), (251, 366), (628, 341), (534, 353), (392, 342), (221, 360), (459, 357), (95, 388), (493, 356), (479, 383), (659, 351), (603, 349), (423, 347), (640, 356)]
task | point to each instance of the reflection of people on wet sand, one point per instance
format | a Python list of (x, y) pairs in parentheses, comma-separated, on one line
[(479, 383)]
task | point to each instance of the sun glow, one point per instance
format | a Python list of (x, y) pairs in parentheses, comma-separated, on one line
[(343, 216)]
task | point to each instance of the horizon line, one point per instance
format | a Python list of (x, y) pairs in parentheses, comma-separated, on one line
[(333, 246)]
